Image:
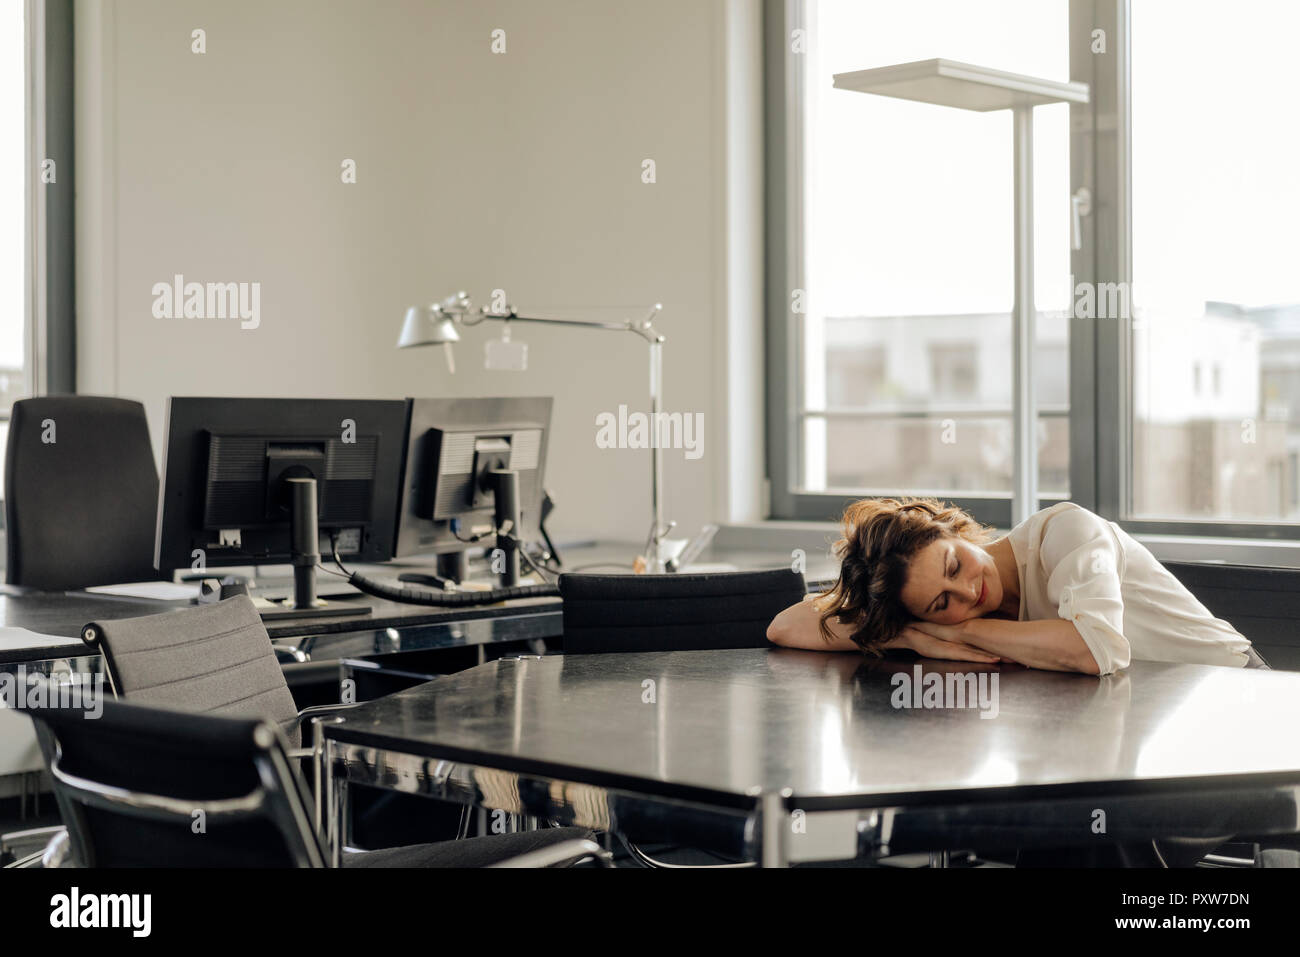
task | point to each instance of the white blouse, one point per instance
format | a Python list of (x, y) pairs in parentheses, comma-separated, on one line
[(1078, 566)]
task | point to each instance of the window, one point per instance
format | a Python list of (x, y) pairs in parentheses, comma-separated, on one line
[(954, 371), (1216, 260), (13, 209), (897, 313), (37, 312), (1168, 396)]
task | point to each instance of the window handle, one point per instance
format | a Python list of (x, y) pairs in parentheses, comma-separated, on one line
[(1080, 206)]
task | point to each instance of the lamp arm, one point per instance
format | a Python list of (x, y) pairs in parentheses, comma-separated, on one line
[(458, 309), (643, 328)]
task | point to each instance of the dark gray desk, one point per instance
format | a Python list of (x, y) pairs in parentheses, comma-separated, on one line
[(391, 628), (802, 756)]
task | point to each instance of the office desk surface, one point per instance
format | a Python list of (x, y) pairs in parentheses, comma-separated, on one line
[(64, 614), (58, 614), (724, 726), (391, 627)]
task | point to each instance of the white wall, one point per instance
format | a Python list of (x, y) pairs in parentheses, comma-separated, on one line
[(475, 170)]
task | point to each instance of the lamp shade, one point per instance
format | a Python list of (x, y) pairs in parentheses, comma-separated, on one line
[(426, 326)]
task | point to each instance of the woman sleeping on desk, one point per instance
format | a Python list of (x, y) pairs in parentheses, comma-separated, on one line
[(1065, 590)]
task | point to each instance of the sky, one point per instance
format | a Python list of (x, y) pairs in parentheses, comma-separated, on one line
[(910, 205)]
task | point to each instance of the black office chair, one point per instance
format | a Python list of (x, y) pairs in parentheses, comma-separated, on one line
[(604, 613), (218, 659), (81, 493), (215, 659), (613, 613), (142, 787)]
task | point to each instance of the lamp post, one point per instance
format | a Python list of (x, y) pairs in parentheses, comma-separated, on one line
[(439, 324)]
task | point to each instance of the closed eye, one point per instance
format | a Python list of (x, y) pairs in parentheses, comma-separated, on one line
[(952, 574)]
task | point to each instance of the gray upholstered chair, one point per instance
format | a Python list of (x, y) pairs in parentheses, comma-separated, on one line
[(214, 659)]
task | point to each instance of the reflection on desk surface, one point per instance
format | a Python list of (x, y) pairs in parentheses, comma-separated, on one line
[(829, 726), (12, 639)]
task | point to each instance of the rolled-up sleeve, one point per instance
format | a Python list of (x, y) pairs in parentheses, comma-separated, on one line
[(1084, 563)]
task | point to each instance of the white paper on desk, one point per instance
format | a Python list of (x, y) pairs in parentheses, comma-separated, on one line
[(166, 591), (12, 639)]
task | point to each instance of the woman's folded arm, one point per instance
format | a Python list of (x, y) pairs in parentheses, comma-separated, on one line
[(799, 627), (1051, 645)]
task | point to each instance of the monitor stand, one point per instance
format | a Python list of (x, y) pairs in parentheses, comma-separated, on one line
[(506, 515), (304, 539)]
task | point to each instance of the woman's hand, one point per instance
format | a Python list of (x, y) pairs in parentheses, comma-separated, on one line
[(943, 641)]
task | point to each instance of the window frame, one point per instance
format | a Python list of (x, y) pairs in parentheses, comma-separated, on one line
[(51, 227)]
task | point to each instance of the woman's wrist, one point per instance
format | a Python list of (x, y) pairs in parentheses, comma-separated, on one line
[(899, 641)]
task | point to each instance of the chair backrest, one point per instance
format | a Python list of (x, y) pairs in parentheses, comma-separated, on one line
[(142, 787), (81, 493), (214, 659), (1261, 602), (674, 612)]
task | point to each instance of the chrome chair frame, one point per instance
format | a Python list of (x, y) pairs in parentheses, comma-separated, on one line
[(277, 797)]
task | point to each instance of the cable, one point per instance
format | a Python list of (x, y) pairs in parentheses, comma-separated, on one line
[(545, 559), (334, 552), (523, 553), (417, 596)]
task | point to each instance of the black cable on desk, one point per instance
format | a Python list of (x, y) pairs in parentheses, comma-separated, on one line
[(420, 596)]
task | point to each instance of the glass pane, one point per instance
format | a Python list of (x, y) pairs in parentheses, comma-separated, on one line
[(918, 455), (1216, 280), (884, 454), (908, 252), (12, 200)]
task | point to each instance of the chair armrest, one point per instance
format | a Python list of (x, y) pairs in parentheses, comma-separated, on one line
[(307, 714), (36, 835), (57, 851), (44, 839), (564, 853), (319, 710)]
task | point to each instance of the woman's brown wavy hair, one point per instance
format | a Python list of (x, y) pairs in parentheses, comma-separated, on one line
[(881, 535)]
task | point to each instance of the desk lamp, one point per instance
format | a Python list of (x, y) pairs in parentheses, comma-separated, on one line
[(438, 324)]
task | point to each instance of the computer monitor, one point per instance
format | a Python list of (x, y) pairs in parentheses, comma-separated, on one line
[(459, 454), (229, 471)]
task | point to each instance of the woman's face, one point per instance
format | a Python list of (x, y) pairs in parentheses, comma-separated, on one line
[(951, 580)]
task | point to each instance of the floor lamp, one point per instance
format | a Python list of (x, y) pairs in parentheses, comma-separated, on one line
[(967, 87)]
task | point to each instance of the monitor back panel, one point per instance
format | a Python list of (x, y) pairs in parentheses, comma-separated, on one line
[(440, 475), (221, 452)]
